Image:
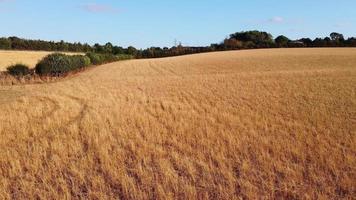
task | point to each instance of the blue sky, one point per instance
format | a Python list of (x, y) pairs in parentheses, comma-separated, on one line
[(145, 23)]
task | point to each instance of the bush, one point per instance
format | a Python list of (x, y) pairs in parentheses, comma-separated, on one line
[(125, 57), (58, 64), (18, 70), (54, 64), (79, 61), (98, 59)]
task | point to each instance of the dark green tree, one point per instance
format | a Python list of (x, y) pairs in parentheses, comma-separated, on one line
[(5, 43), (282, 41), (337, 36), (256, 39), (131, 50), (306, 41)]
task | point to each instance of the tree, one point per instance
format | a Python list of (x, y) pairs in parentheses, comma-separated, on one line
[(131, 50), (63, 46), (319, 42), (282, 41), (351, 42), (98, 48), (306, 41), (5, 43), (337, 36), (232, 43), (257, 39), (118, 50), (108, 48)]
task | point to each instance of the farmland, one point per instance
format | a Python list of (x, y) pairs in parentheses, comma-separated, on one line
[(274, 123), (29, 58)]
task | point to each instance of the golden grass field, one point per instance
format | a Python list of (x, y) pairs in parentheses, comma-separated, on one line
[(255, 124), (29, 58)]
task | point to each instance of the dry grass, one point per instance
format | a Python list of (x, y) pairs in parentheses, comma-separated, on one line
[(269, 124), (29, 58)]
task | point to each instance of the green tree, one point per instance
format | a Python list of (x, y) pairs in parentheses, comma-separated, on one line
[(282, 41), (108, 48), (257, 39), (98, 48), (118, 50), (131, 51)]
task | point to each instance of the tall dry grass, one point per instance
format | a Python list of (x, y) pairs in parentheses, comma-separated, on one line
[(259, 124)]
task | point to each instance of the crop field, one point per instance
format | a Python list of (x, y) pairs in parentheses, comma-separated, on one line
[(278, 124), (29, 58)]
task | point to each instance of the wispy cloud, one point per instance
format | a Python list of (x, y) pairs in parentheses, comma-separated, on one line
[(276, 19), (98, 8)]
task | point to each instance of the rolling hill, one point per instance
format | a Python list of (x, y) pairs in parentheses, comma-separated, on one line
[(274, 123)]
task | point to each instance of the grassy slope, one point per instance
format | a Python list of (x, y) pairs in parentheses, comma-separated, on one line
[(273, 123)]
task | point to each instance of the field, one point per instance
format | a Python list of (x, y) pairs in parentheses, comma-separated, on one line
[(230, 125), (29, 58)]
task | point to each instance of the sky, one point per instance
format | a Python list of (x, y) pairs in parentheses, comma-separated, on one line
[(146, 23)]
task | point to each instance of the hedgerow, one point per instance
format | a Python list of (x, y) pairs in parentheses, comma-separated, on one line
[(79, 61), (98, 59), (125, 56), (58, 64)]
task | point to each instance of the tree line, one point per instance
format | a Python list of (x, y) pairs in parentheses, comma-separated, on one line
[(250, 40), (236, 41), (15, 43)]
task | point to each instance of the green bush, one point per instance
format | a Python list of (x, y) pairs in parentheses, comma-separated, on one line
[(79, 61), (18, 70), (54, 64), (98, 59), (58, 64), (125, 57), (109, 58), (95, 58)]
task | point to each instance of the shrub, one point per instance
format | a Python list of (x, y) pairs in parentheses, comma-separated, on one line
[(18, 70), (86, 60), (95, 58), (54, 64), (98, 59), (125, 57), (58, 64), (79, 61)]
